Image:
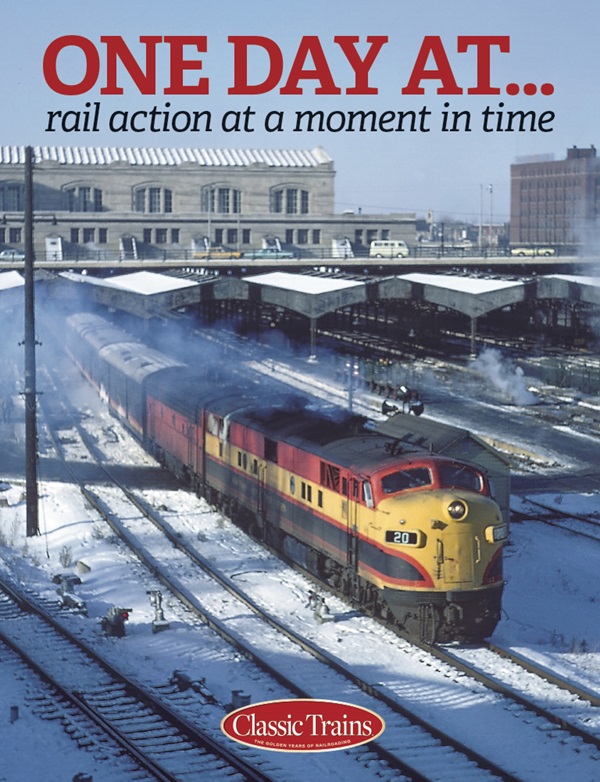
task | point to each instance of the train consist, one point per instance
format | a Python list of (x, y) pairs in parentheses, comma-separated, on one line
[(410, 536)]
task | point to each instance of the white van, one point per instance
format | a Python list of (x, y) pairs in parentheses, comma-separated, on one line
[(383, 248)]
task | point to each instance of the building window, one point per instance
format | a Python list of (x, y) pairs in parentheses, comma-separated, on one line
[(174, 235), (83, 198), (14, 235), (218, 236), (246, 236), (147, 236), (302, 235), (316, 236), (221, 200), (11, 198), (88, 235), (75, 235), (161, 236), (289, 200), (277, 201), (102, 235), (289, 236), (153, 200), (232, 236)]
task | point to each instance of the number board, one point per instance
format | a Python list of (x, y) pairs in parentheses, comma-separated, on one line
[(401, 537)]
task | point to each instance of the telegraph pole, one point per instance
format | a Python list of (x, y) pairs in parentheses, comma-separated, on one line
[(31, 483)]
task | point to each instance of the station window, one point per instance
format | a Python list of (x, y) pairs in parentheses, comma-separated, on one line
[(11, 197), (102, 235), (83, 198), (216, 199), (316, 236), (88, 235), (302, 235), (289, 236), (290, 200), (152, 200)]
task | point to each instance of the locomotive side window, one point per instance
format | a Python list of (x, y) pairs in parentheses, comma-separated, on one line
[(460, 476), (406, 479)]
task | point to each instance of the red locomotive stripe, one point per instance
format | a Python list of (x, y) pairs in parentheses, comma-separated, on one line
[(304, 535)]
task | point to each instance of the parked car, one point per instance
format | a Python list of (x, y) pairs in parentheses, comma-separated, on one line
[(217, 252), (268, 253), (532, 251), (12, 255)]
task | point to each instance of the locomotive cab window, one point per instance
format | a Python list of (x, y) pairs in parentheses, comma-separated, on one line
[(401, 480), (461, 476)]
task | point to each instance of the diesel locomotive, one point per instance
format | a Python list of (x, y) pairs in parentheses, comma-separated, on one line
[(410, 536)]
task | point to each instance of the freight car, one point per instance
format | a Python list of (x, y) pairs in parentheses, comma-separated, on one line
[(410, 536)]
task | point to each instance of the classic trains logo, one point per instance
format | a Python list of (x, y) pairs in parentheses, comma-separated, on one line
[(303, 725)]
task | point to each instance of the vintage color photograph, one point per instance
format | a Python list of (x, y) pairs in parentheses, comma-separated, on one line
[(300, 400)]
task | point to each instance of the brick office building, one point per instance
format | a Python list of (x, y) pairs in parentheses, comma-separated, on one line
[(555, 202), (125, 202)]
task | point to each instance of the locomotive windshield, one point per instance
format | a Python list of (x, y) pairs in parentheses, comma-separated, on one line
[(406, 479), (460, 476)]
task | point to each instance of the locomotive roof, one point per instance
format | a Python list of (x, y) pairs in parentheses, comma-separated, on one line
[(341, 437)]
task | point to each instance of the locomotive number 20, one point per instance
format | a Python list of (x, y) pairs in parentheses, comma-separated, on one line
[(401, 537)]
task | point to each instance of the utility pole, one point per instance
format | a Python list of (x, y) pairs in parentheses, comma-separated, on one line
[(31, 484)]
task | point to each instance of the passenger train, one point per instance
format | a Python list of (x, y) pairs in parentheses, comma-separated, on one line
[(410, 536)]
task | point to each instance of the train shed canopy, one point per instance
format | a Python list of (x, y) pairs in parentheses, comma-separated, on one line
[(149, 293), (144, 293), (11, 290)]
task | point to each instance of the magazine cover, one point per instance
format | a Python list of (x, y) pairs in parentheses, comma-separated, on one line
[(300, 399)]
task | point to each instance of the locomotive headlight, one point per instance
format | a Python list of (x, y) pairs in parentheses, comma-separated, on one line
[(457, 510)]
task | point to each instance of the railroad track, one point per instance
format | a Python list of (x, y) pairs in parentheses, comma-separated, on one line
[(480, 763), (582, 525), (157, 740), (261, 633)]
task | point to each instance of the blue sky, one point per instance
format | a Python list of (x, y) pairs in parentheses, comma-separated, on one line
[(550, 43)]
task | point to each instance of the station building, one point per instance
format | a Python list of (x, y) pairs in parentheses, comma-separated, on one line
[(128, 203), (555, 202)]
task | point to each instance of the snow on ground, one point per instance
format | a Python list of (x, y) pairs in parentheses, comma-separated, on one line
[(551, 603)]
